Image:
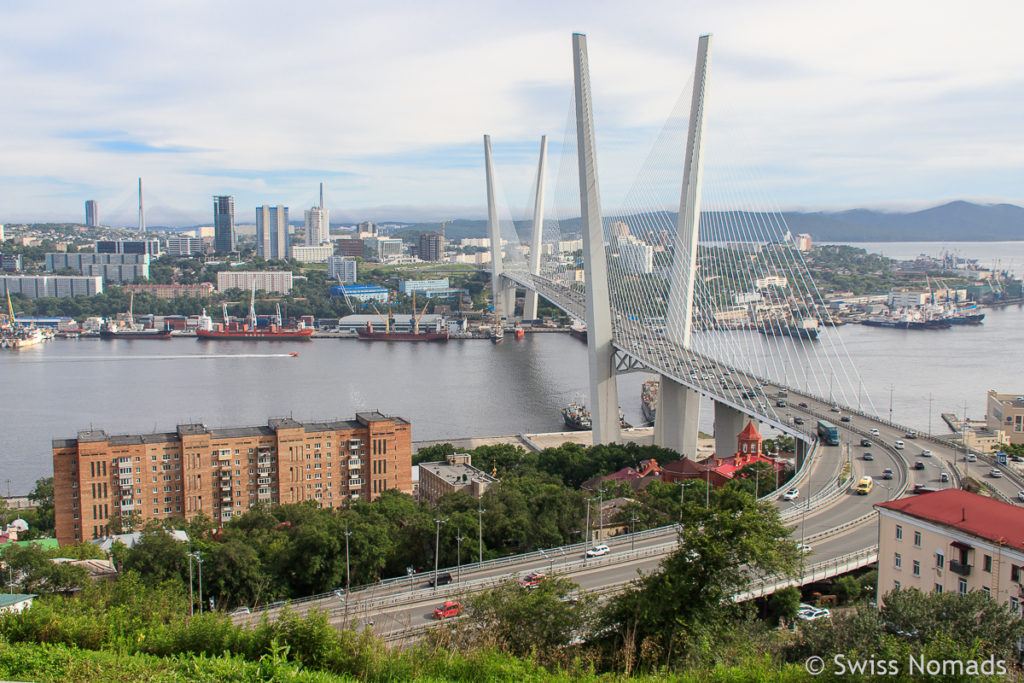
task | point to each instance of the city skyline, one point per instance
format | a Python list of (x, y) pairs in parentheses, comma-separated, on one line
[(830, 106)]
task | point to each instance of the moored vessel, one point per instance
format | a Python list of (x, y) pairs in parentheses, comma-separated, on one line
[(576, 416), (249, 331), (125, 327)]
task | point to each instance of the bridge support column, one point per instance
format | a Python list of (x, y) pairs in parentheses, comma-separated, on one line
[(802, 448), (729, 422), (508, 300), (677, 418), (604, 395), (498, 294), (537, 238)]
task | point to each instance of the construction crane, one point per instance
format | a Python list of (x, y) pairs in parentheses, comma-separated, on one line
[(445, 222)]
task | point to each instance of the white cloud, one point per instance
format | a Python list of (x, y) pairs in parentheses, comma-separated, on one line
[(828, 102)]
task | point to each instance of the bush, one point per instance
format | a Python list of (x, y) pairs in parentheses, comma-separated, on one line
[(847, 589)]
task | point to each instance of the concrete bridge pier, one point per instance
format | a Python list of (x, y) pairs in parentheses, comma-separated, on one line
[(677, 417), (729, 422)]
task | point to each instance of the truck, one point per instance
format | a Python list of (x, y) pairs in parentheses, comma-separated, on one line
[(828, 433)]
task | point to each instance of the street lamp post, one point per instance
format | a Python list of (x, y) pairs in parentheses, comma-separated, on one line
[(929, 415), (458, 540), (892, 388), (348, 573), (199, 560), (586, 540), (480, 534), (191, 596), (682, 500), (437, 546), (963, 435), (632, 531)]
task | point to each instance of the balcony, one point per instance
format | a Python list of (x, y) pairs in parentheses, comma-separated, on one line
[(125, 483), (263, 481), (127, 506), (263, 469), (355, 483), (961, 569), (355, 462)]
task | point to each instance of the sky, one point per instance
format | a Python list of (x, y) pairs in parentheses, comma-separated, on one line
[(823, 105)]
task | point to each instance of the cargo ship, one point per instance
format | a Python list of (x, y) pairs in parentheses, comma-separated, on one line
[(248, 331), (497, 334), (807, 328), (579, 331), (908, 320), (576, 417), (389, 334), (125, 327)]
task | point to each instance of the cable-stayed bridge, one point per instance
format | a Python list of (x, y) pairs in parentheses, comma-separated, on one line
[(717, 302)]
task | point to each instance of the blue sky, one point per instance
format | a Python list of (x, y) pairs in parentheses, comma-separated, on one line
[(826, 105)]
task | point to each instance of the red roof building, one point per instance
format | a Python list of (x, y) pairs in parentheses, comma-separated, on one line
[(748, 452), (952, 540)]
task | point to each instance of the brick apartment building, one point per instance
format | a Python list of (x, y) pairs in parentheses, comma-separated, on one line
[(224, 472)]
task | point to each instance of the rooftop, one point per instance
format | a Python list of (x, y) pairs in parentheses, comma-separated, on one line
[(970, 513)]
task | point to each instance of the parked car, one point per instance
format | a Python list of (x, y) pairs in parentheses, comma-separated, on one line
[(995, 474), (868, 456), (1016, 458), (874, 432), (918, 465), (532, 580), (447, 610), (442, 580), (803, 404), (887, 473), (866, 443), (925, 453), (820, 613), (798, 420), (791, 494), (598, 550)]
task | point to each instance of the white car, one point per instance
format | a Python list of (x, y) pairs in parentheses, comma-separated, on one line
[(820, 613), (1020, 496), (598, 550), (926, 453), (971, 457), (791, 494), (898, 445), (874, 432), (804, 549), (995, 474)]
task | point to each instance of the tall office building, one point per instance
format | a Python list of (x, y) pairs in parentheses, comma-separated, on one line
[(92, 215), (318, 223), (272, 232), (223, 224)]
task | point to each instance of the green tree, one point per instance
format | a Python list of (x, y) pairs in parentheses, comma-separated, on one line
[(720, 550), (158, 556), (783, 604), (847, 589)]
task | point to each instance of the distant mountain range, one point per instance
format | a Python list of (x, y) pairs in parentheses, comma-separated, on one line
[(952, 222)]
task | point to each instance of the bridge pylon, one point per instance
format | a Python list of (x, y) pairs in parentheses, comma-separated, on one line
[(604, 398), (530, 302), (678, 409)]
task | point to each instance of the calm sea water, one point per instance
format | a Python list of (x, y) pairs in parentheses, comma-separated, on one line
[(464, 388)]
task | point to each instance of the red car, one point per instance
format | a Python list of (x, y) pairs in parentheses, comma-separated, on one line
[(448, 609), (532, 580)]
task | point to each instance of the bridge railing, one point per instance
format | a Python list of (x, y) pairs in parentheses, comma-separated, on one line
[(815, 572)]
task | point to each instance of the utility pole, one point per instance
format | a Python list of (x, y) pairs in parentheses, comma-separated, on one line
[(892, 388), (967, 460), (437, 546), (632, 531), (199, 559), (586, 540), (480, 534), (191, 596)]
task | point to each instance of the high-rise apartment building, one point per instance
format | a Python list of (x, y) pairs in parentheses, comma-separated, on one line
[(318, 223), (92, 214), (224, 472), (431, 246), (151, 247), (224, 224), (272, 232), (113, 268), (267, 280), (342, 268)]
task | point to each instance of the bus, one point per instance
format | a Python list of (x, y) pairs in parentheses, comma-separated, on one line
[(828, 433)]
